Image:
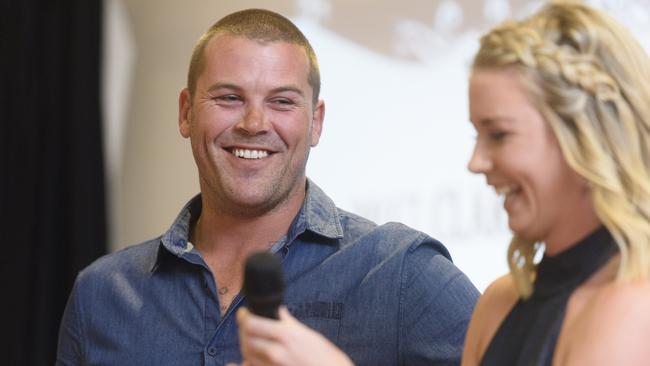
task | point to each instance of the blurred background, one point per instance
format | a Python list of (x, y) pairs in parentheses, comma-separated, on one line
[(92, 160)]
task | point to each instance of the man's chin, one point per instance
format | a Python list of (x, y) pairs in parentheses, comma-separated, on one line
[(253, 203), (250, 198)]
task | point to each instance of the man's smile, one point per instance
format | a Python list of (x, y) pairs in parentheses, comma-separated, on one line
[(249, 153)]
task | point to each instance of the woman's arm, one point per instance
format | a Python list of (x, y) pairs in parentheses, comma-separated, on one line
[(492, 308)]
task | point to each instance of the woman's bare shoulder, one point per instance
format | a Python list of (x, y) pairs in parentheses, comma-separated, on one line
[(498, 298), (615, 327), (492, 307)]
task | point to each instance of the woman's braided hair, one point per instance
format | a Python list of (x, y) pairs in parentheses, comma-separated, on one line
[(591, 81)]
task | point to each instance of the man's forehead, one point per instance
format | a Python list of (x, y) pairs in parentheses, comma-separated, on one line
[(296, 68), (223, 44)]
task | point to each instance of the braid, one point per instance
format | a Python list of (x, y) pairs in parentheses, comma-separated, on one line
[(525, 44)]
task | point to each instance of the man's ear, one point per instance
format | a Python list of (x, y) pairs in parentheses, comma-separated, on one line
[(184, 112), (317, 122)]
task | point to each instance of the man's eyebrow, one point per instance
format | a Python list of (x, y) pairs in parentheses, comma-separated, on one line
[(216, 86), (288, 88), (285, 88)]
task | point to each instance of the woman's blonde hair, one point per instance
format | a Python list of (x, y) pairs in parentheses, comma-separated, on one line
[(591, 81)]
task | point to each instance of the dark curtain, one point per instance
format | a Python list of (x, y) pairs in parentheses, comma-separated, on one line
[(51, 166)]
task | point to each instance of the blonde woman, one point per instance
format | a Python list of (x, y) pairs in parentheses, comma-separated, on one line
[(561, 106)]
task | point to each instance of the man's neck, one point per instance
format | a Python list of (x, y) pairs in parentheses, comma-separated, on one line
[(227, 240), (236, 236)]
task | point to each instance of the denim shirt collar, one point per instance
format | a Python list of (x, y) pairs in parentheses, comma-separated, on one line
[(318, 215)]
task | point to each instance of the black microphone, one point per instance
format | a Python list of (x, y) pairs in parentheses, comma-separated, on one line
[(264, 284)]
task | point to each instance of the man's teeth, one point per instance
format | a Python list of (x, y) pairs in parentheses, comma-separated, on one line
[(250, 154)]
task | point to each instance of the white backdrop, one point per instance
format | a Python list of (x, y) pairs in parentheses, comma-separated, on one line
[(396, 138)]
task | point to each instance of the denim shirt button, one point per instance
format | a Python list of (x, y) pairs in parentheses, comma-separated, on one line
[(212, 351)]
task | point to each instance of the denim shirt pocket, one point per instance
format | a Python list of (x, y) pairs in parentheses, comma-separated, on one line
[(322, 316)]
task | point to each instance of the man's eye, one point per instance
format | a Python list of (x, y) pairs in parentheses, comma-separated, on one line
[(230, 98), (282, 103)]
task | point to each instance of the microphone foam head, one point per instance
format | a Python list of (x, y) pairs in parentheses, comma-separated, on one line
[(263, 284)]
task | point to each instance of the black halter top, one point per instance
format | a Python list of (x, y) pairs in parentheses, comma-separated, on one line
[(529, 333)]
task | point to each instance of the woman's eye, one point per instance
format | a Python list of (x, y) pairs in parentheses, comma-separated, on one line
[(497, 135)]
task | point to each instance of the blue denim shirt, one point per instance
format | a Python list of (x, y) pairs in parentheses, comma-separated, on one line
[(387, 295)]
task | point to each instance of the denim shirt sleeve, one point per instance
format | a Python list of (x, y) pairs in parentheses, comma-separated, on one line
[(436, 303), (70, 338)]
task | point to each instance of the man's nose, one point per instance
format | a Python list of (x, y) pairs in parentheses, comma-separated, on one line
[(254, 121)]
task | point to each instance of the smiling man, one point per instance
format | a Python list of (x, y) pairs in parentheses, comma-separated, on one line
[(251, 110)]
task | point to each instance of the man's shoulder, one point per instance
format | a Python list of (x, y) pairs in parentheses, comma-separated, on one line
[(352, 222), (390, 235), (131, 260)]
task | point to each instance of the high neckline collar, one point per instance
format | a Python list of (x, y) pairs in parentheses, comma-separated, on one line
[(567, 270)]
